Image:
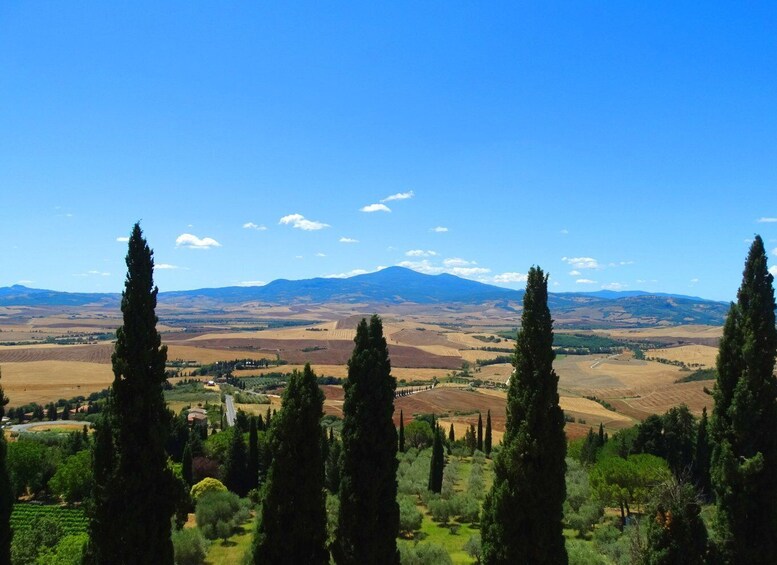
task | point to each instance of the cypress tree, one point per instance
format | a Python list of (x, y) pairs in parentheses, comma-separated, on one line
[(451, 434), (487, 440), (401, 432), (292, 524), (133, 487), (601, 434), (523, 512), (701, 459), (369, 513), (744, 457), (236, 468), (253, 454), (186, 464), (334, 466), (6, 493), (480, 432), (437, 465)]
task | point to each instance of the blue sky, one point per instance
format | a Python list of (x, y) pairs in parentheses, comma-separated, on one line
[(624, 146)]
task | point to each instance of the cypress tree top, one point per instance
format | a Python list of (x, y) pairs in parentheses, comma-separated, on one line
[(522, 515), (744, 457)]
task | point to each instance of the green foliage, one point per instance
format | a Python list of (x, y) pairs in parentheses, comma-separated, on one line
[(369, 513), (675, 532), (206, 486), (236, 466), (437, 465), (217, 445), (333, 467), (134, 490), (30, 465), (487, 442), (671, 436), (69, 551), (71, 520), (189, 546), (744, 457), (73, 480), (419, 434), (523, 513), (410, 517), (581, 509), (401, 431), (42, 535), (219, 514), (6, 500), (424, 554), (292, 527), (699, 375)]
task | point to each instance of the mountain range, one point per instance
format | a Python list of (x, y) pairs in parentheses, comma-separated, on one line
[(398, 285)]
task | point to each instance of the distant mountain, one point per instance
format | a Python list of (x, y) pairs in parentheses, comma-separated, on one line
[(398, 286)]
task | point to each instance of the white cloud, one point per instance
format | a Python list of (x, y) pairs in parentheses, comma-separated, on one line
[(122, 239), (92, 273), (772, 270), (251, 283), (468, 271), (300, 222), (193, 242), (25, 281), (253, 226), (506, 278), (564, 231), (399, 196), (375, 208), (420, 253), (166, 266), (423, 266), (694, 280), (766, 220), (439, 229), (352, 273), (299, 257), (320, 254), (581, 262), (348, 240), (614, 286), (575, 273), (621, 263), (585, 281), (458, 262)]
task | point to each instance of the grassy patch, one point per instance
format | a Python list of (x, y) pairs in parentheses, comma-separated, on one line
[(234, 549)]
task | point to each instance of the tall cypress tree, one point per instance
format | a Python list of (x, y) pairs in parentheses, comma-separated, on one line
[(186, 464), (253, 453), (292, 524), (133, 487), (401, 432), (6, 493), (369, 513), (480, 432), (701, 458), (451, 434), (523, 512), (487, 440), (236, 468), (744, 457), (437, 465)]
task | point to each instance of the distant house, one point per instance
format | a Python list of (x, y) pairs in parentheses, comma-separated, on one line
[(197, 416)]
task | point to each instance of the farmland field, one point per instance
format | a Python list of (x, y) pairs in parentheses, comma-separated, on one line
[(72, 520)]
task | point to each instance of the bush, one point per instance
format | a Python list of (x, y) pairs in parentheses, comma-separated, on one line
[(190, 546), (466, 507), (424, 554), (73, 480), (440, 509), (419, 434), (582, 553), (42, 536), (410, 517), (206, 486), (474, 548), (219, 514), (69, 551)]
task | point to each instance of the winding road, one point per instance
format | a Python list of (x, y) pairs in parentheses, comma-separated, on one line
[(231, 412)]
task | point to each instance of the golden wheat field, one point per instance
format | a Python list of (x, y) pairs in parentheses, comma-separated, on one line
[(45, 381), (691, 355)]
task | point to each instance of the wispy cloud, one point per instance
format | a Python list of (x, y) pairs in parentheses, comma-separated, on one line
[(458, 262), (694, 280), (251, 283), (375, 208), (420, 253), (766, 220), (585, 281), (581, 262), (166, 266), (439, 229), (564, 232), (191, 241), (320, 254), (348, 240), (352, 273), (508, 278), (454, 266), (25, 281), (123, 239), (575, 273), (773, 270), (253, 226), (93, 273), (614, 286), (399, 196), (301, 223)]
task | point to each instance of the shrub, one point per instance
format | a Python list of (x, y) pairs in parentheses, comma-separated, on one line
[(190, 546), (69, 551), (440, 509), (474, 548), (73, 480), (219, 514), (206, 486), (418, 434), (423, 554), (410, 517)]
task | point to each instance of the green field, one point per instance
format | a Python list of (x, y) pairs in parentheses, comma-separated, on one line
[(72, 520)]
